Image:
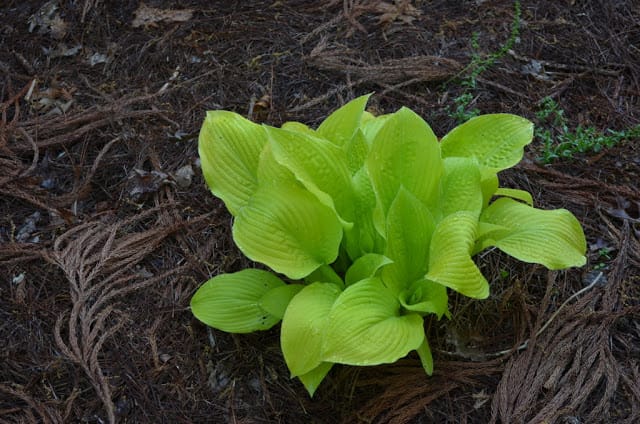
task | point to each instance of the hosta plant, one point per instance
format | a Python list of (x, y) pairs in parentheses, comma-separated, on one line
[(366, 222)]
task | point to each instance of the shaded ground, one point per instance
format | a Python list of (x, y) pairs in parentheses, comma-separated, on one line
[(104, 234)]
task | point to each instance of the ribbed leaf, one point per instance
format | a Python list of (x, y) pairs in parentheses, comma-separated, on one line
[(313, 378), (229, 147), (514, 193), (553, 238), (341, 125), (450, 262), (495, 140), (365, 327), (405, 152), (276, 300), (288, 229), (231, 302), (320, 165), (461, 187), (366, 266), (409, 230), (303, 327)]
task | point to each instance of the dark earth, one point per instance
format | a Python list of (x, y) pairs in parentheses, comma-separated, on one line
[(107, 228)]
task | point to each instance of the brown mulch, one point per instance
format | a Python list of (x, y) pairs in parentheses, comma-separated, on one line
[(107, 228)]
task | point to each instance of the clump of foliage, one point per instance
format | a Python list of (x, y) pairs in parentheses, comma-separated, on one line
[(366, 222), (559, 142)]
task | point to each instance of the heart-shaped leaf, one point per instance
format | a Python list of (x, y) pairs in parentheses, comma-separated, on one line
[(288, 229), (232, 302), (365, 327)]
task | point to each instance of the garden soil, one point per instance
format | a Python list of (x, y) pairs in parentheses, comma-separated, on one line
[(107, 228)]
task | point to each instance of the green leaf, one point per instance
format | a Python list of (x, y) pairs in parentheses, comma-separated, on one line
[(450, 262), (231, 302), (409, 230), (365, 327), (319, 165), (357, 150), (325, 274), (341, 125), (276, 300), (405, 152), (363, 237), (288, 229), (365, 266), (313, 378), (303, 327), (461, 187), (495, 140), (514, 193), (427, 297), (297, 127), (424, 351), (229, 147), (553, 238)]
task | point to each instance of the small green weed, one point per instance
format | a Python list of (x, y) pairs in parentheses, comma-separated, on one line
[(479, 64), (559, 142)]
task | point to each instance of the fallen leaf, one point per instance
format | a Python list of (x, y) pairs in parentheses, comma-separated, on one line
[(147, 16), (399, 10)]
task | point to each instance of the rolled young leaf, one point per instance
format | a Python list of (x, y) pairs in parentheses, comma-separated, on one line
[(427, 297), (229, 147), (553, 238), (231, 302), (365, 327)]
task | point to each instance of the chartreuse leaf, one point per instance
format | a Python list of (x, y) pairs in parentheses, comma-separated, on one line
[(450, 262), (365, 327), (495, 140), (276, 300), (409, 227), (366, 266), (363, 238), (341, 125), (272, 173), (304, 327), (229, 147), (357, 150), (405, 152), (515, 193), (424, 351), (320, 165), (297, 127), (325, 274), (232, 302), (427, 297), (489, 183), (313, 378), (288, 229), (553, 238), (461, 186)]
